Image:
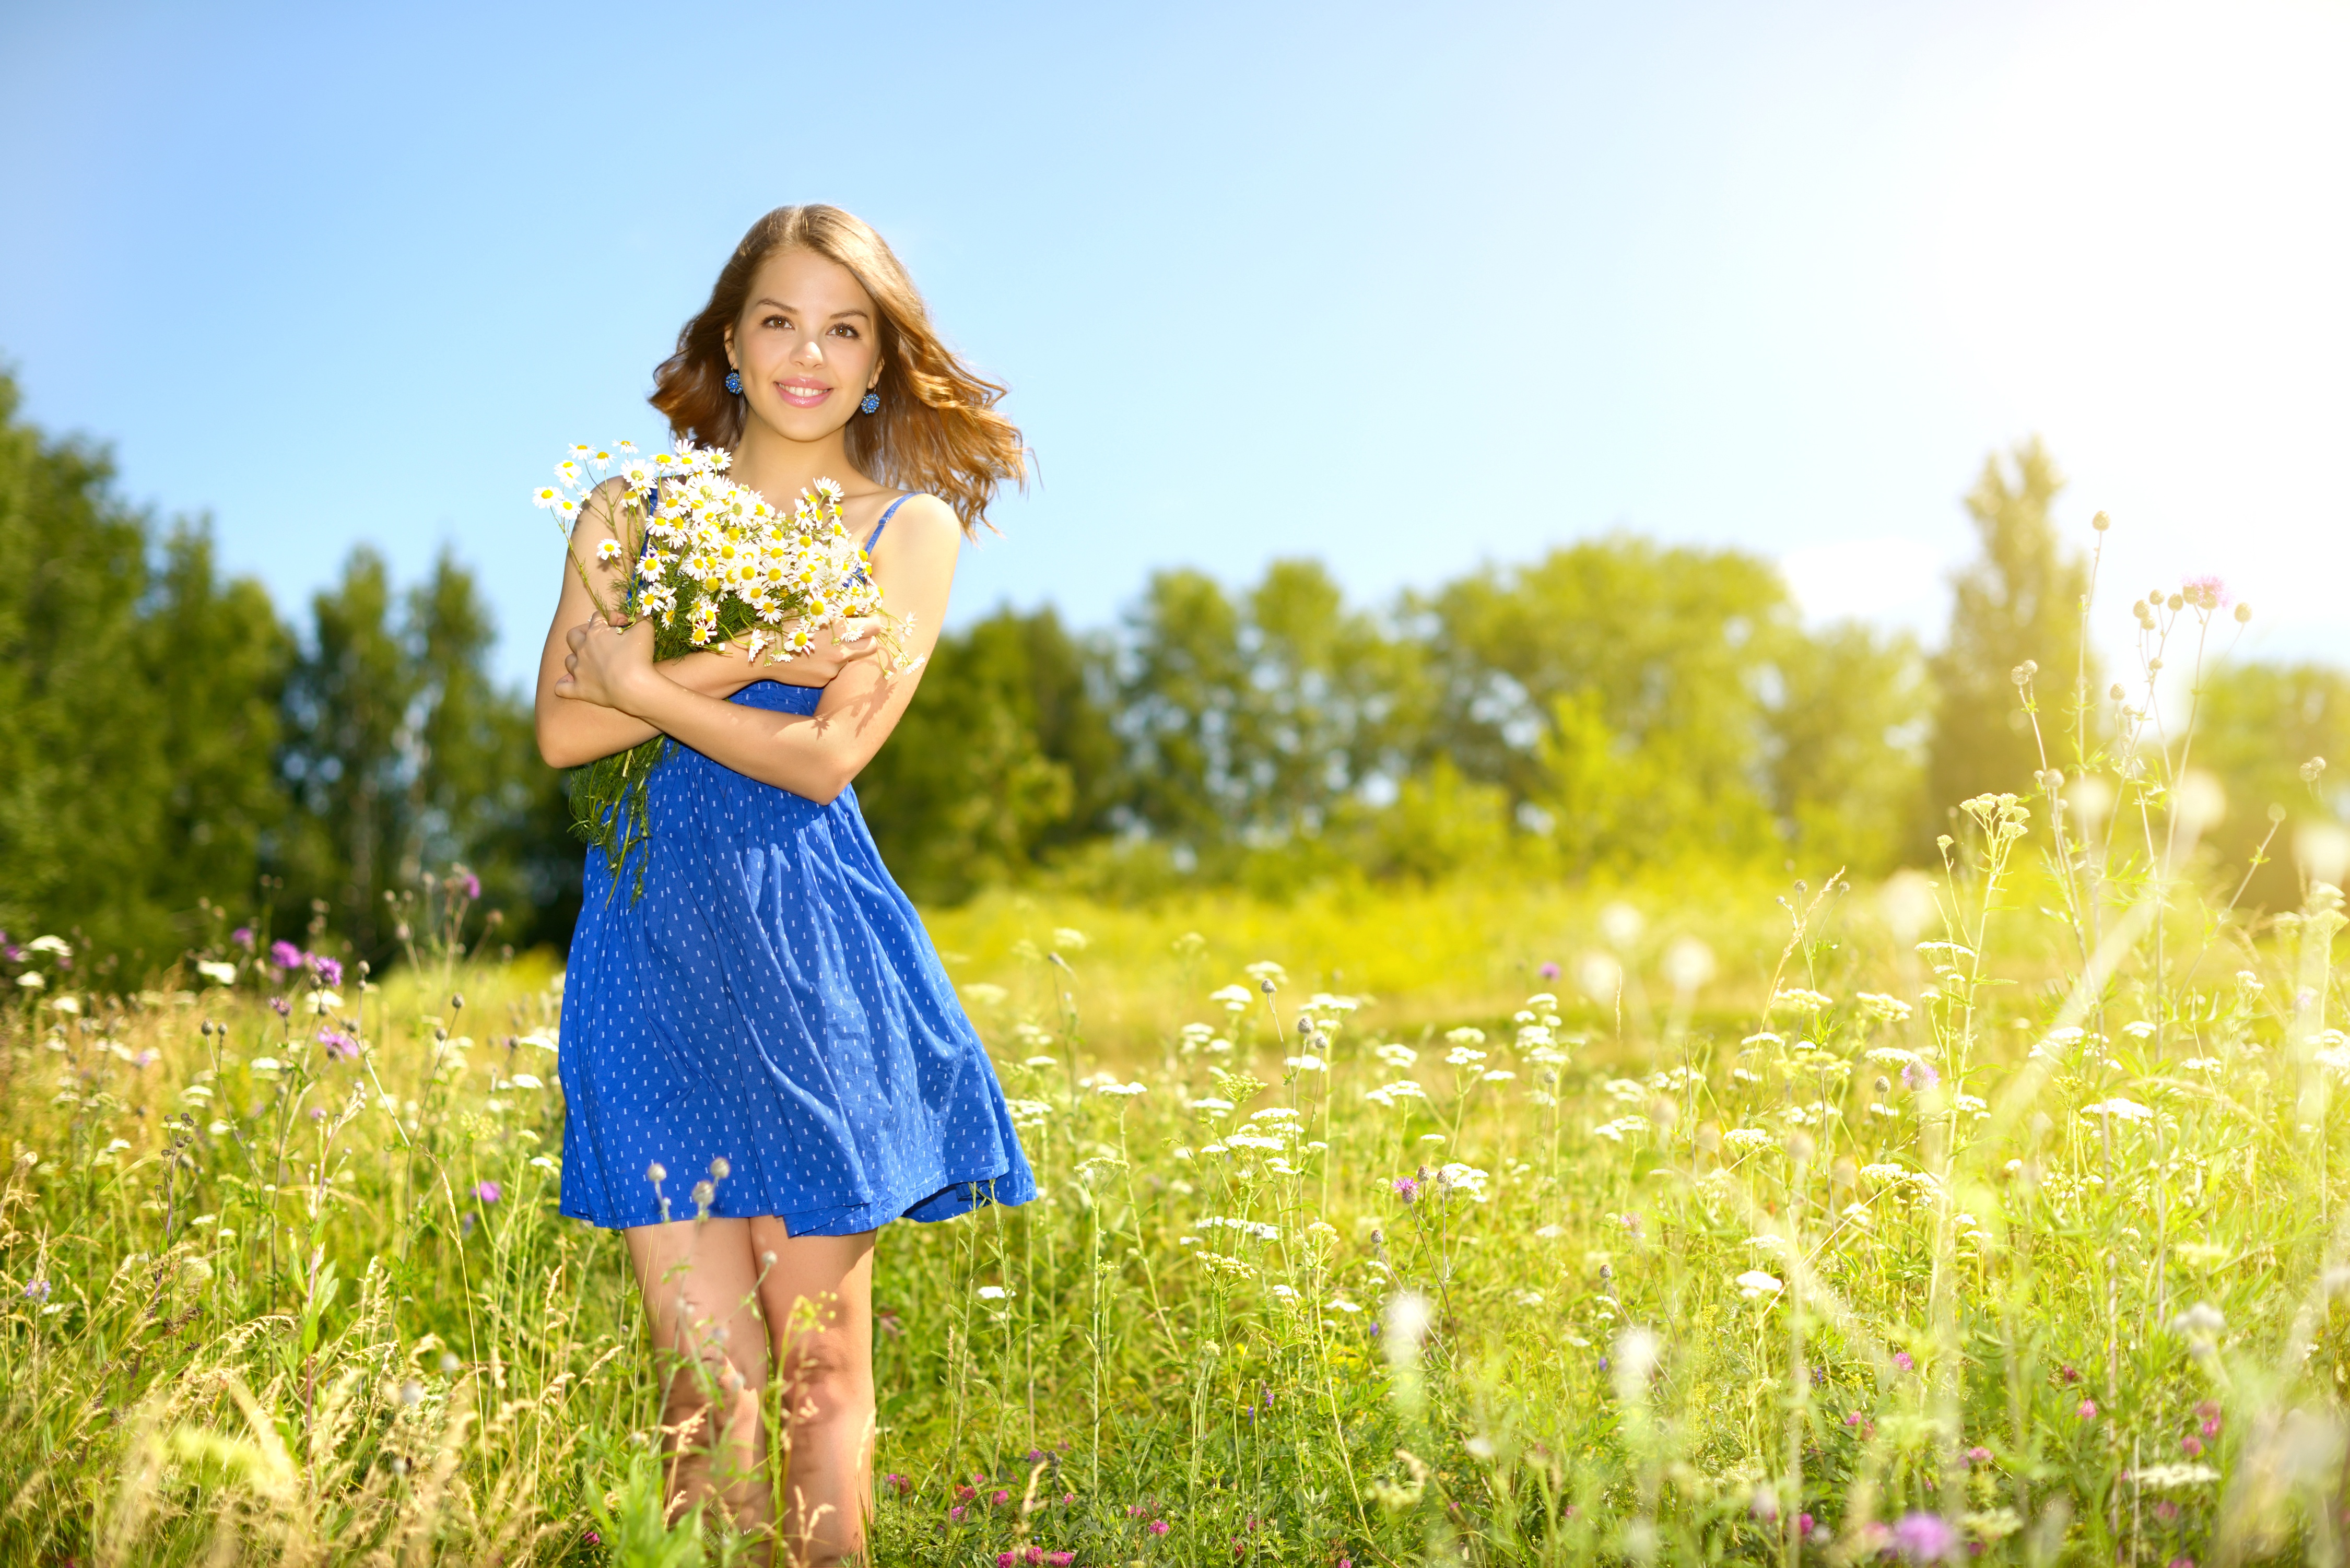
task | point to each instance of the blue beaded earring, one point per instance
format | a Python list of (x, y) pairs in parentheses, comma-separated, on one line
[(734, 383), (872, 403)]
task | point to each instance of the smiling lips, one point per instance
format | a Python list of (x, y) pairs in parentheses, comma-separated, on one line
[(803, 394)]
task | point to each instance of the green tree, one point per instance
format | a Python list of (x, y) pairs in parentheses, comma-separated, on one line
[(137, 711), (404, 759), (478, 795), (2260, 729), (1004, 756), (1184, 682), (1848, 747), (2019, 602), (349, 752), (1616, 689), (1252, 726)]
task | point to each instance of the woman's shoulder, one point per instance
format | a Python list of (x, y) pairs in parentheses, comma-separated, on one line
[(922, 515), (600, 507)]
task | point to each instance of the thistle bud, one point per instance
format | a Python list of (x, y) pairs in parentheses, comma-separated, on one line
[(2101, 521), (2243, 615), (2116, 693), (2175, 603)]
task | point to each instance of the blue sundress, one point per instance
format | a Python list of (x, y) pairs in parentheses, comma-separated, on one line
[(771, 1000)]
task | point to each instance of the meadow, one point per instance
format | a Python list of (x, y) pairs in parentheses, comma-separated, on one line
[(1979, 1214)]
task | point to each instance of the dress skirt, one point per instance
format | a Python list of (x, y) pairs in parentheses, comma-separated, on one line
[(770, 1002)]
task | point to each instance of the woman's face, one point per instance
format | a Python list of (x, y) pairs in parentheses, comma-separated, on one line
[(807, 345)]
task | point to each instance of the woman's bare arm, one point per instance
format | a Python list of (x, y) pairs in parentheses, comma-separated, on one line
[(571, 732), (816, 754)]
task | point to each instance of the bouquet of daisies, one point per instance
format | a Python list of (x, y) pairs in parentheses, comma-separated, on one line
[(715, 567)]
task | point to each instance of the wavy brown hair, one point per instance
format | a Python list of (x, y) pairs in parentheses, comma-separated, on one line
[(937, 429)]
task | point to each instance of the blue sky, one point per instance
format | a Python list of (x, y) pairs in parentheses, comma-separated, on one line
[(1405, 288)]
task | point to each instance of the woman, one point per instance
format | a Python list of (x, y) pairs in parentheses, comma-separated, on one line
[(763, 1037)]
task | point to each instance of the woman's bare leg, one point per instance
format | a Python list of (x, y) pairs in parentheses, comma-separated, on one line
[(700, 1280), (818, 1295)]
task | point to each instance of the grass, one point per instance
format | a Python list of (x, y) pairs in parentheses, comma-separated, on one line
[(1987, 1212)]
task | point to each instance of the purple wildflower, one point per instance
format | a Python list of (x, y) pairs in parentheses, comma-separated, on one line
[(241, 936), (339, 1043), (280, 1006), (1005, 1559), (1923, 1537), (1919, 1075), (897, 1483), (470, 884), (285, 955), (955, 1513), (38, 1291), (1548, 971), (1407, 1189), (2088, 1409), (2207, 591), (488, 1191), (1803, 1524), (1902, 1359), (1978, 1455), (1158, 1527), (328, 970)]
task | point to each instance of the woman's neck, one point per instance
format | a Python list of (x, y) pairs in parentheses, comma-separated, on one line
[(780, 468)]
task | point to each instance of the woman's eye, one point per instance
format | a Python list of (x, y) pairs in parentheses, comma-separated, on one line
[(774, 321), (846, 330)]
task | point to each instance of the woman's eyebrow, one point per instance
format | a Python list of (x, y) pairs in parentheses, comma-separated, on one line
[(794, 310)]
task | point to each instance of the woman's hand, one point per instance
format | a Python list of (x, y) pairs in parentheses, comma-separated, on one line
[(608, 665)]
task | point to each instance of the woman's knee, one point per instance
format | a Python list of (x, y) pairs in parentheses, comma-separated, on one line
[(829, 1376)]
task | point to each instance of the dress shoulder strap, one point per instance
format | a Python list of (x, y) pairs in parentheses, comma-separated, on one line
[(875, 537)]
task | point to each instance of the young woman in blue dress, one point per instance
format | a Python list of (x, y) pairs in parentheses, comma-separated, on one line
[(764, 1036)]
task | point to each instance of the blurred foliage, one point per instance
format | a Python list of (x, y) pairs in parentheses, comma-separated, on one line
[(2023, 600), (1616, 707), (2276, 737), (166, 739)]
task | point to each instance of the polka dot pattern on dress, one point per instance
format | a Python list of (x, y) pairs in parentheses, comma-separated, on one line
[(771, 1000)]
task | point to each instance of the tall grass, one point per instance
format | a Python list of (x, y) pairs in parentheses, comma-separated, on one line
[(1984, 1213)]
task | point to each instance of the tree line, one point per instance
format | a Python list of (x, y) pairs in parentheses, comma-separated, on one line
[(177, 758)]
